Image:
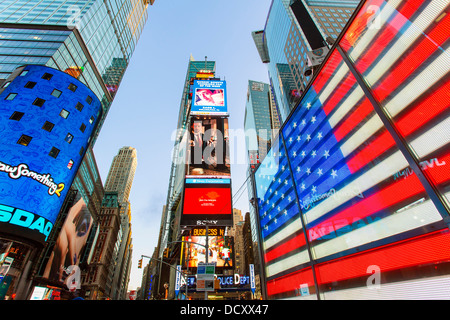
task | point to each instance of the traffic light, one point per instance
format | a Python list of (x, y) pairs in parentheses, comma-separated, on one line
[(140, 264), (166, 252)]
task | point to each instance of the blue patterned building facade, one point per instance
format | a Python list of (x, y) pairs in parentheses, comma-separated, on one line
[(46, 121)]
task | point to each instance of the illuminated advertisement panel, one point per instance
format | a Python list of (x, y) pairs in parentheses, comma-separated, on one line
[(283, 237), (46, 120), (369, 221), (207, 202), (220, 248), (208, 148), (412, 80), (209, 98), (65, 257)]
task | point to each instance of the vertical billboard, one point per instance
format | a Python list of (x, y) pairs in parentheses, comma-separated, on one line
[(209, 98), (46, 121), (207, 202), (208, 148), (368, 221), (63, 264)]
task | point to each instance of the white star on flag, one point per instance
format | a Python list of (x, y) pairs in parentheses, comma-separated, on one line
[(334, 173)]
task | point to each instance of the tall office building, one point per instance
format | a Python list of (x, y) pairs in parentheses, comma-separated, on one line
[(120, 179), (92, 43), (178, 167), (295, 33), (199, 192), (92, 40), (261, 120), (98, 282), (121, 173)]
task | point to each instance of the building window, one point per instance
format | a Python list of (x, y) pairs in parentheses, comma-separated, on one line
[(68, 138), (64, 113), (56, 93), (91, 120), (81, 151), (48, 126), (79, 106), (23, 73), (38, 102), (82, 127), (70, 164), (6, 84), (17, 115), (89, 99), (30, 84), (24, 140), (11, 96), (47, 76), (72, 87), (54, 152)]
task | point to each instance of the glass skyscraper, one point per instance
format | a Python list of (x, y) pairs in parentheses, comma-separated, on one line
[(94, 38), (92, 41), (294, 28)]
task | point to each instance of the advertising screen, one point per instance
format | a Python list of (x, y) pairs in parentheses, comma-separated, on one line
[(207, 202), (220, 249), (65, 257), (208, 148), (209, 98), (366, 216)]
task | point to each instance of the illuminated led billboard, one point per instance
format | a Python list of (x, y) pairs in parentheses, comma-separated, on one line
[(221, 251), (208, 148), (209, 98), (207, 202), (345, 161), (46, 120), (65, 257)]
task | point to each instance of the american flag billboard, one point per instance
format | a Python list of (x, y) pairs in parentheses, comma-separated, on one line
[(357, 210)]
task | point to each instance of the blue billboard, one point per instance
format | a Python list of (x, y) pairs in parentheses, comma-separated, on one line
[(209, 98), (46, 120)]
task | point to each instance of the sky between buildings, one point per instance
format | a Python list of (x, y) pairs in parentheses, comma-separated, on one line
[(144, 113)]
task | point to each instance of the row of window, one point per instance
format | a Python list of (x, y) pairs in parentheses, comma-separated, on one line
[(48, 126), (25, 140), (56, 93)]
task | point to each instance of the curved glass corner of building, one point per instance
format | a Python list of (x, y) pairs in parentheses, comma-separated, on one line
[(47, 118)]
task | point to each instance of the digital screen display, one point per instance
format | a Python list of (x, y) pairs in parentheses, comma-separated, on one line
[(209, 98), (207, 201), (221, 251), (66, 254), (364, 210), (208, 148)]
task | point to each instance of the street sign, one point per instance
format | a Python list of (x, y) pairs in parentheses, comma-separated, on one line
[(206, 268), (178, 280), (252, 278), (205, 276)]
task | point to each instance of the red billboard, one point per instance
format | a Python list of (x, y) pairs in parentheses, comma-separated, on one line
[(207, 202)]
